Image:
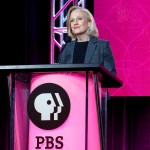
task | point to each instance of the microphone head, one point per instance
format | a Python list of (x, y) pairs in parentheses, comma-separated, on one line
[(67, 39)]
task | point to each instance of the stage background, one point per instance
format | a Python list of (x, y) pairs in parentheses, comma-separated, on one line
[(126, 24), (25, 33)]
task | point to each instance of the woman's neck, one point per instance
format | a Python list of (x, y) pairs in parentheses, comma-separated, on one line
[(83, 38)]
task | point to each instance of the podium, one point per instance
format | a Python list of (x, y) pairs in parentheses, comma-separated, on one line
[(58, 106)]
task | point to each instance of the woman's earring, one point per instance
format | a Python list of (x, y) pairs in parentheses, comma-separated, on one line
[(89, 30)]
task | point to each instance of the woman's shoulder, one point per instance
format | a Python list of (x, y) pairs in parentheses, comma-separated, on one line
[(99, 40)]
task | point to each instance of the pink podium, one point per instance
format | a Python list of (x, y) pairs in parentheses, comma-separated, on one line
[(58, 106)]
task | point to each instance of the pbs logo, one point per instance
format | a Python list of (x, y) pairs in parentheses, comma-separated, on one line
[(48, 106)]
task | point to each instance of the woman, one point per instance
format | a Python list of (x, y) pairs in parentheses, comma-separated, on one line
[(85, 47)]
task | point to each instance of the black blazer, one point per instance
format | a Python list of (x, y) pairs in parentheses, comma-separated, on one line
[(98, 52)]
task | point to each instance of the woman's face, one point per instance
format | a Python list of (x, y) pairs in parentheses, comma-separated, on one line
[(78, 22)]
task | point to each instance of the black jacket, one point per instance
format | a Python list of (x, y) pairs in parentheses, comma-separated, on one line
[(98, 52)]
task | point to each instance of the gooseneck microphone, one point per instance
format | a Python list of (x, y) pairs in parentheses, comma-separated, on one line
[(67, 40)]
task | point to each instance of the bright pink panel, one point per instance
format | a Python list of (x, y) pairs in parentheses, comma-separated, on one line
[(73, 130), (21, 117), (126, 24)]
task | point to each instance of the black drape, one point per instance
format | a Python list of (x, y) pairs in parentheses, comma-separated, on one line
[(128, 125), (37, 32), (24, 34), (4, 113)]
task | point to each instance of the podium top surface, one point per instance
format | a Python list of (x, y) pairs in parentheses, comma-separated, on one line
[(109, 79)]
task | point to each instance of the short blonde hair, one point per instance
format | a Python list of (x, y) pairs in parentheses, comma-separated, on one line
[(92, 31)]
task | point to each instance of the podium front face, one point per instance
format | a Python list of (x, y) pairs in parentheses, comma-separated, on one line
[(55, 111)]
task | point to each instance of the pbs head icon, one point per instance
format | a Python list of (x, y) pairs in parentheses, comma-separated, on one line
[(48, 106)]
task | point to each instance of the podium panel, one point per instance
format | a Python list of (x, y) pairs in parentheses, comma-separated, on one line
[(76, 132), (73, 130)]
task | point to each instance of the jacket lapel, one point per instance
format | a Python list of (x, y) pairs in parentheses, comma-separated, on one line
[(71, 47), (90, 50)]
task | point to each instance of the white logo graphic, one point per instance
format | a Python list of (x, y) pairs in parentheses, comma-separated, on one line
[(45, 104)]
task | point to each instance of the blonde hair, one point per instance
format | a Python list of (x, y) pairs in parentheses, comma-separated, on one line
[(92, 31)]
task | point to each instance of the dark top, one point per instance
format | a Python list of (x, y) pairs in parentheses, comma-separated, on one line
[(79, 52)]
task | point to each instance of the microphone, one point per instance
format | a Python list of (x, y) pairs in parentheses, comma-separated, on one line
[(67, 40)]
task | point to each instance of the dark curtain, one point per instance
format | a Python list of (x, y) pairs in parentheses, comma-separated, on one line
[(128, 125), (24, 33), (4, 113), (37, 32)]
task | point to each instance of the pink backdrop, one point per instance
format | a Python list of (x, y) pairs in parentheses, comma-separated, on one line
[(126, 24)]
